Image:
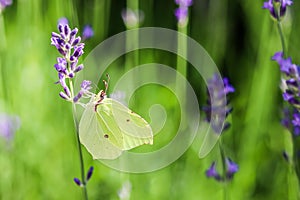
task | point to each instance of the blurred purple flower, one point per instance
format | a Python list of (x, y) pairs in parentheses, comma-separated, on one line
[(184, 3), (132, 19), (62, 21), (4, 4), (231, 167), (181, 12), (280, 5), (87, 32), (220, 105), (9, 124), (212, 172)]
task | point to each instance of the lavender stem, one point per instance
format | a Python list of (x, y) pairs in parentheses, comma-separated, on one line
[(76, 124)]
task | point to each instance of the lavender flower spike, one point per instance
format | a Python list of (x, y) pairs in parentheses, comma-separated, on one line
[(220, 105)]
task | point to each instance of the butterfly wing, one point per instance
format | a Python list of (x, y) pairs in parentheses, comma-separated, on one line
[(128, 129), (93, 135)]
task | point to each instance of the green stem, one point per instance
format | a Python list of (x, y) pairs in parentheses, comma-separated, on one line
[(223, 159), (76, 123), (279, 27)]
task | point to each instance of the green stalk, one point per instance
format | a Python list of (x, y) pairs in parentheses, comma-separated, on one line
[(2, 52), (76, 123), (279, 27), (223, 159)]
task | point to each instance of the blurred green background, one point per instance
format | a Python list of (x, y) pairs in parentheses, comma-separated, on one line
[(42, 160)]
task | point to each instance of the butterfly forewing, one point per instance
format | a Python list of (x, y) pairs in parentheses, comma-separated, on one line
[(94, 137), (135, 131)]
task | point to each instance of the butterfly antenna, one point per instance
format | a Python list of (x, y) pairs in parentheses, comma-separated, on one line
[(106, 82)]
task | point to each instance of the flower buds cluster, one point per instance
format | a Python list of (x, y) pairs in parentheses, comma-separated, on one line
[(71, 48)]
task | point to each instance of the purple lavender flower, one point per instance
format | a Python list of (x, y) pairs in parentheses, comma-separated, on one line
[(9, 124), (62, 21), (132, 19), (4, 4), (77, 182), (87, 32), (181, 12), (85, 87), (89, 173), (277, 5), (212, 172), (231, 167), (220, 105), (70, 47), (290, 92)]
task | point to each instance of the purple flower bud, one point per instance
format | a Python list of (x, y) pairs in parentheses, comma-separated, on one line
[(89, 174), (71, 75), (296, 119), (77, 182), (78, 52), (67, 30), (78, 68), (87, 32), (60, 28), (76, 41), (55, 35), (64, 96), (74, 32), (212, 172), (85, 87), (232, 168), (4, 4), (181, 14)]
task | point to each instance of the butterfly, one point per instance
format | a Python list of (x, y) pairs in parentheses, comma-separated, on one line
[(107, 127)]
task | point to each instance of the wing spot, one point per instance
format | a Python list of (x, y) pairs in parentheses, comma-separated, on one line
[(106, 136), (127, 120)]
